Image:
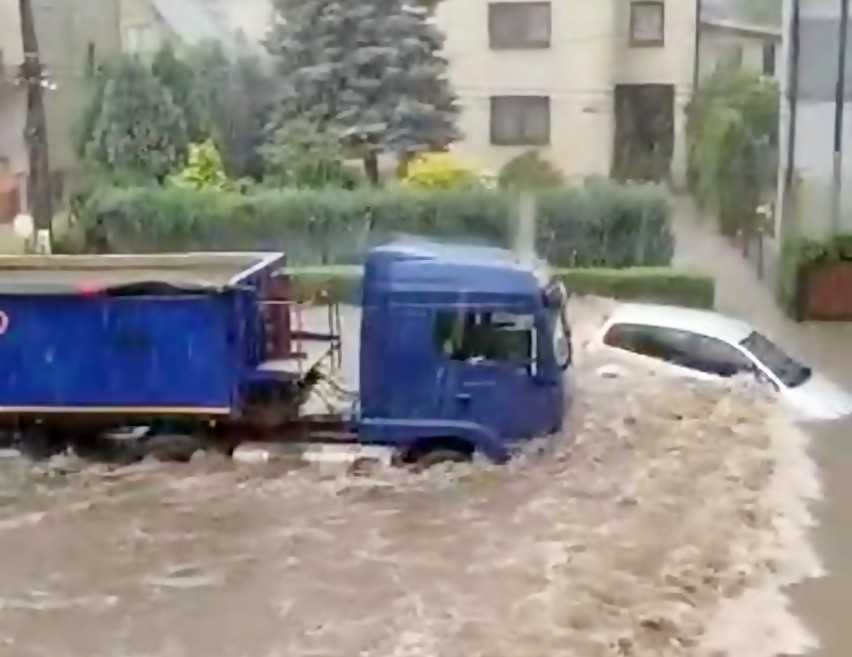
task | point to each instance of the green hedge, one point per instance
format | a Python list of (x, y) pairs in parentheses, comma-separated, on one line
[(601, 223), (652, 284)]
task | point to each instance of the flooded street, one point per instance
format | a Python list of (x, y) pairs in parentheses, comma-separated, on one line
[(823, 602), (657, 532)]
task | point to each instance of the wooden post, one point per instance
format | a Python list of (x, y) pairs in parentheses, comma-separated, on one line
[(39, 188)]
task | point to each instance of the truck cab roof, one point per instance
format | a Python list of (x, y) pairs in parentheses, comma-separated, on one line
[(452, 273)]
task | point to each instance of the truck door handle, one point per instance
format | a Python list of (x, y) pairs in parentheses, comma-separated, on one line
[(463, 397)]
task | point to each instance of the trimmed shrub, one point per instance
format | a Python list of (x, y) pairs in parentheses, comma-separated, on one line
[(599, 224), (650, 284), (440, 171), (530, 170)]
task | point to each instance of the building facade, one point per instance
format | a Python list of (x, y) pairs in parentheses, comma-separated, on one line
[(809, 131), (73, 38), (235, 24), (596, 87)]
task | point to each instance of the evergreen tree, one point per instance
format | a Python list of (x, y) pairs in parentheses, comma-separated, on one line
[(177, 76), (368, 69), (138, 127), (234, 99)]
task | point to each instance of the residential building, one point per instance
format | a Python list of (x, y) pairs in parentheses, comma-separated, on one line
[(598, 88), (13, 114), (732, 43), (809, 132), (148, 24), (73, 38)]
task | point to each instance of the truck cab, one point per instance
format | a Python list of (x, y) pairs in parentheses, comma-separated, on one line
[(464, 350)]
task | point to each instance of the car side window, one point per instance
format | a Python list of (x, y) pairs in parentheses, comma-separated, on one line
[(716, 357), (682, 348), (650, 341)]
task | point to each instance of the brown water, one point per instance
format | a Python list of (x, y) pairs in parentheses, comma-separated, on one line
[(823, 603), (667, 528)]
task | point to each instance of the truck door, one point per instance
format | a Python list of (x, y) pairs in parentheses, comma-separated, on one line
[(488, 373)]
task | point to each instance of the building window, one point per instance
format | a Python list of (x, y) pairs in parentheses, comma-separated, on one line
[(90, 59), (519, 25), (520, 120), (769, 59), (647, 23)]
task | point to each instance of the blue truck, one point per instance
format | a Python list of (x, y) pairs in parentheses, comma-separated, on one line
[(463, 350)]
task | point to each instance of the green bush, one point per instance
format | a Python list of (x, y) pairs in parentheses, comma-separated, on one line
[(599, 224), (529, 170), (650, 284)]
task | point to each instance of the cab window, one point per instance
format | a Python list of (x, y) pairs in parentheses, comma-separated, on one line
[(485, 335)]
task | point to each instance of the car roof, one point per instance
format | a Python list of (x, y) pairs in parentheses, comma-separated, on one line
[(704, 322)]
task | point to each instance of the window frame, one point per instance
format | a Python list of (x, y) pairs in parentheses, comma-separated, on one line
[(495, 137), (458, 323), (513, 5), (635, 41)]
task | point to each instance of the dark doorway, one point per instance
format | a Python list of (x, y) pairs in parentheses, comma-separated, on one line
[(644, 132)]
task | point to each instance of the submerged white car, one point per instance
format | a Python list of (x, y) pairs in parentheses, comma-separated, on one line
[(705, 345)]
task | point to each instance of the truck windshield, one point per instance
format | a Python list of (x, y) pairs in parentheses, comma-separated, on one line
[(789, 371)]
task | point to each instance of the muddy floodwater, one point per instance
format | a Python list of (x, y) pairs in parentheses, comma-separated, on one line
[(666, 522)]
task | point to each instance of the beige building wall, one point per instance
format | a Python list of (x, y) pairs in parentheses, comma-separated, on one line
[(590, 53), (673, 63), (576, 72), (141, 28)]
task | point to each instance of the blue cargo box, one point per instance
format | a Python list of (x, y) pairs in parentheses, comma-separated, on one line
[(155, 335)]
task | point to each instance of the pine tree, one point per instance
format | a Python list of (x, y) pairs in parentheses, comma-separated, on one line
[(139, 127), (368, 69)]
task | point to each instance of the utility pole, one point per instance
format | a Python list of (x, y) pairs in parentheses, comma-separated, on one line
[(32, 75), (839, 106)]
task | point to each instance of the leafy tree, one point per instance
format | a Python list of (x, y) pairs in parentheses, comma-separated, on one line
[(303, 155), (177, 76), (369, 69), (233, 97), (440, 171), (84, 127), (138, 126), (530, 170), (731, 137), (204, 169)]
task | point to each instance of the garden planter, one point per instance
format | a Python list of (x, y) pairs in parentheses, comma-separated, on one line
[(825, 292)]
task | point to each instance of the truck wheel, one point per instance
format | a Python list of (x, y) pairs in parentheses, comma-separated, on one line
[(439, 456)]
